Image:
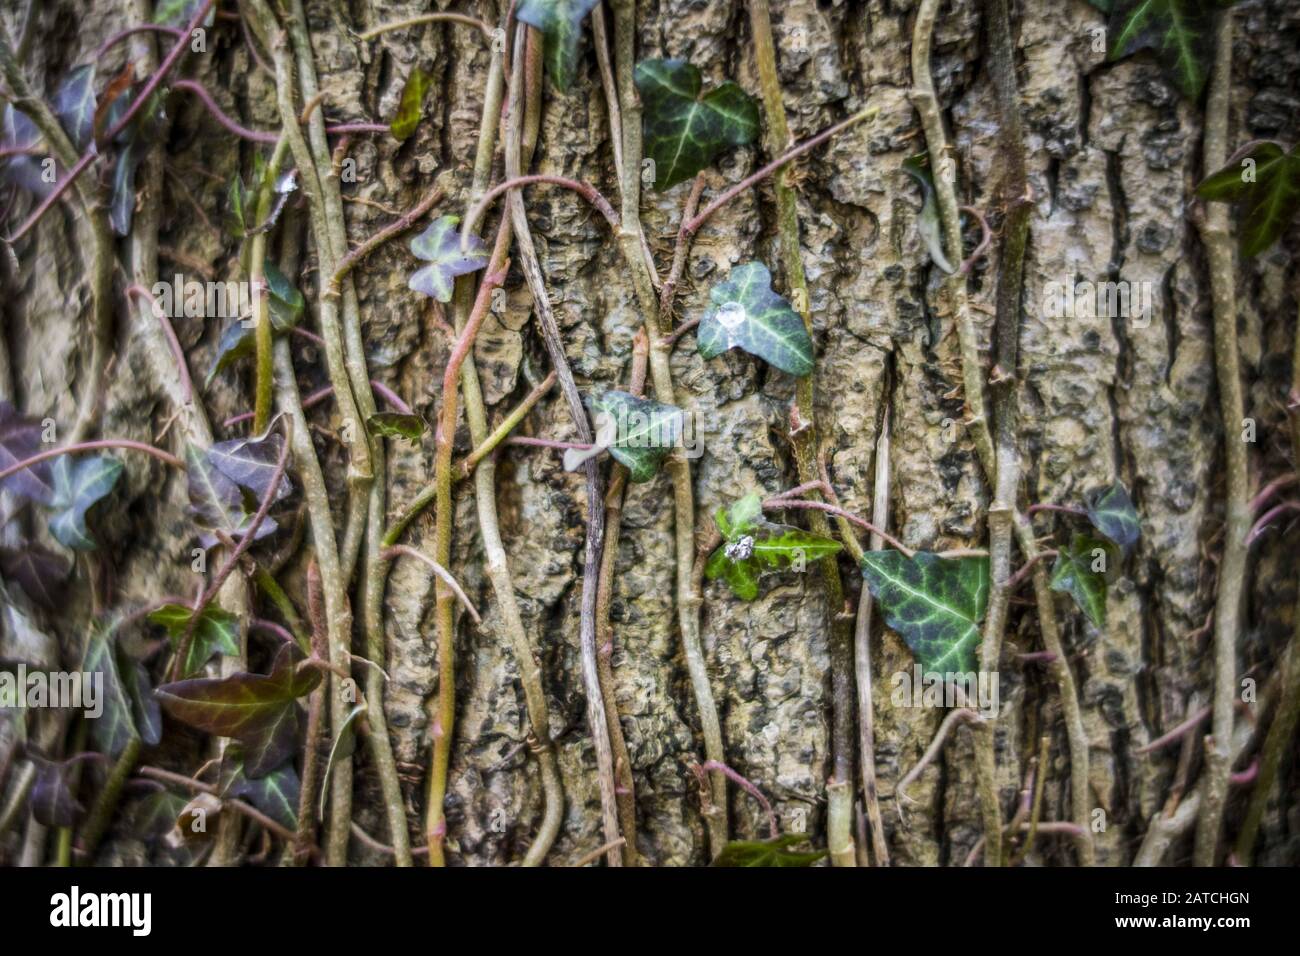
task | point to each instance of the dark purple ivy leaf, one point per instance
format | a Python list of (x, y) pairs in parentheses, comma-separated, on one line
[(275, 794), (52, 802), (121, 208), (20, 438), (217, 502), (154, 815), (251, 463), (258, 710), (74, 104), (25, 172), (40, 573), (144, 705)]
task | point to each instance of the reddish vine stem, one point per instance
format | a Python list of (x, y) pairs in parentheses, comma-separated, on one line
[(743, 782), (775, 503), (408, 220), (585, 190), (163, 456), (182, 366)]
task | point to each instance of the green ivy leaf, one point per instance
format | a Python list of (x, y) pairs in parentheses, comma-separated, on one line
[(935, 604), (1265, 186), (215, 632), (74, 105), (115, 727), (928, 225), (238, 208), (154, 815), (1180, 32), (774, 852), (239, 339), (746, 313), (396, 425), (1082, 571), (439, 245), (561, 24), (411, 105), (258, 710), (638, 432), (286, 302), (77, 486), (1112, 513), (20, 439), (683, 131), (753, 546), (276, 794), (177, 13)]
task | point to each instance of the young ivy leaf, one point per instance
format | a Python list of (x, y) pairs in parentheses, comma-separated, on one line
[(409, 107), (1112, 513), (215, 632), (683, 131), (746, 313), (238, 208), (74, 105), (145, 712), (115, 727), (935, 604), (561, 24), (1180, 32), (638, 432), (20, 439), (396, 425), (1265, 186), (251, 463), (752, 545), (1082, 571), (918, 167), (275, 794), (121, 208), (77, 486), (774, 852), (177, 13), (439, 245), (259, 710)]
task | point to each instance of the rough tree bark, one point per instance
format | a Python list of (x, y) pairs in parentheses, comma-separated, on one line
[(1113, 152)]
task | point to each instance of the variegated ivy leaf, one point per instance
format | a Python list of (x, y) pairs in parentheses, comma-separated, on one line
[(752, 546), (935, 604), (439, 245), (410, 106), (928, 225), (77, 486), (275, 794), (1265, 186), (113, 729), (215, 632), (746, 313), (1112, 513), (561, 24), (258, 710), (74, 105), (774, 852), (1082, 571), (638, 432), (1180, 32), (396, 425), (684, 131)]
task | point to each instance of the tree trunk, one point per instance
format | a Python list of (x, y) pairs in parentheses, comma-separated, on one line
[(1113, 154)]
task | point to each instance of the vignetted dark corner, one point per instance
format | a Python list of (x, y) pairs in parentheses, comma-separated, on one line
[(579, 433)]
